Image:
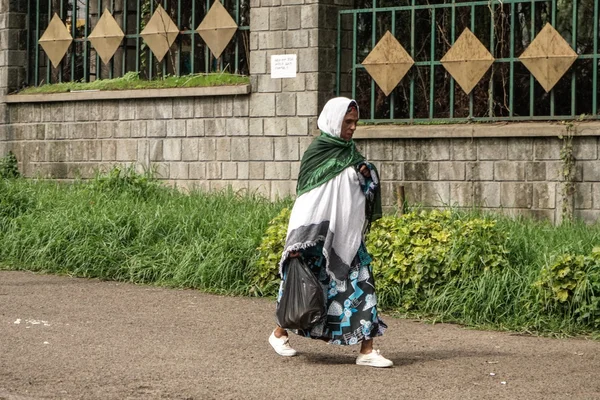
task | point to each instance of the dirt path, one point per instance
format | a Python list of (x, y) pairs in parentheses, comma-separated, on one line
[(66, 338)]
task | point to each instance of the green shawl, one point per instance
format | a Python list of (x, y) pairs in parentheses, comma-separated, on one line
[(326, 157)]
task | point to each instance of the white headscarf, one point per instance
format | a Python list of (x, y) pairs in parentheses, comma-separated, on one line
[(331, 118)]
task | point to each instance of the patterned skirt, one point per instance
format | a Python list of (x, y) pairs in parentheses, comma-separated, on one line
[(351, 304)]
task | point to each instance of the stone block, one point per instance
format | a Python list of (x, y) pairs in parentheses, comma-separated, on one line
[(109, 150), (304, 142), (486, 194), (297, 126), (189, 149), (520, 149), (256, 127), (256, 170), (285, 104), (156, 128), (435, 150), (145, 109), (127, 109), (243, 170), (259, 19), (309, 16), (297, 84), (307, 104), (176, 128), (277, 170), (588, 216), (286, 149), (94, 150), (547, 149), (463, 149), (161, 169), (262, 105), (535, 170), (516, 195), (155, 148), (544, 195), (268, 85), (380, 150), (261, 149), (164, 108), (312, 80), (183, 108), (294, 169), (275, 126), (452, 171), (78, 150), (197, 170), (194, 127), (591, 170), (421, 171), (223, 149), (106, 130), (241, 106), (203, 107), (207, 149), (583, 196), (110, 111), (308, 61), (596, 195), (237, 127), (391, 171), (229, 170), (479, 171), (258, 62), (126, 150), (270, 40), (138, 129), (223, 106), (492, 149), (282, 189), (295, 39), (461, 194), (178, 170), (172, 149), (294, 15), (213, 170), (253, 41), (123, 130), (215, 127), (509, 171), (278, 18), (585, 148), (435, 194)]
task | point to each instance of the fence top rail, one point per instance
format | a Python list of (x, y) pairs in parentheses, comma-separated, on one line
[(445, 5)]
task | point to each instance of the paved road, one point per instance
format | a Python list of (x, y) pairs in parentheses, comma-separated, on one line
[(67, 338)]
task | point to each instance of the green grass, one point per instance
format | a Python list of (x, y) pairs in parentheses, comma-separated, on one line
[(128, 228), (131, 81)]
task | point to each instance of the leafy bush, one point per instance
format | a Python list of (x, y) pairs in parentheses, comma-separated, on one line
[(266, 275), (572, 285), (9, 167), (420, 252)]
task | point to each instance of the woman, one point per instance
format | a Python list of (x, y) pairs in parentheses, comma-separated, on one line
[(338, 196)]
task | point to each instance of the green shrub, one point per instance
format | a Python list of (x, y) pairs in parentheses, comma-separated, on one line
[(415, 254), (572, 285), (9, 167), (266, 276)]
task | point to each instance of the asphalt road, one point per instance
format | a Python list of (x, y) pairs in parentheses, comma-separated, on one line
[(68, 338)]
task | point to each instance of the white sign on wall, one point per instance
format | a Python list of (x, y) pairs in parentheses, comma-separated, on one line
[(283, 66)]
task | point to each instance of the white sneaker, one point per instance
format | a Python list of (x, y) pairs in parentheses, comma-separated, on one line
[(373, 359), (281, 345)]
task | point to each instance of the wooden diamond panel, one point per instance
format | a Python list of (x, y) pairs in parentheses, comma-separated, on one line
[(56, 40), (467, 61), (388, 63), (160, 33), (217, 28), (106, 37), (548, 57)]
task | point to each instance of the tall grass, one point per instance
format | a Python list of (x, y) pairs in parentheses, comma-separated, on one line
[(126, 227), (509, 298)]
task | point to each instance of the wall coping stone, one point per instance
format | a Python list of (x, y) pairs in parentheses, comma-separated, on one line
[(229, 90), (476, 130)]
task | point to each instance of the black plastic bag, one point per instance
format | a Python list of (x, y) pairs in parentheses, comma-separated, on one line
[(302, 304)]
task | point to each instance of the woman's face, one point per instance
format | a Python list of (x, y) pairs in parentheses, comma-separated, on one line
[(349, 125)]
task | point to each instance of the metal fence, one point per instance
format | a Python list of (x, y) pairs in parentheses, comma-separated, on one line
[(508, 91), (188, 55)]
